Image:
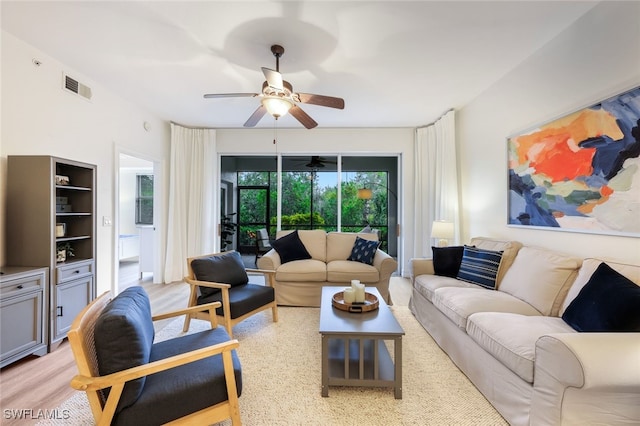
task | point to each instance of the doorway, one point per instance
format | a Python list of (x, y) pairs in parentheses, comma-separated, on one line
[(136, 222)]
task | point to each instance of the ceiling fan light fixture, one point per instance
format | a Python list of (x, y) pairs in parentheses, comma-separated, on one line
[(277, 106)]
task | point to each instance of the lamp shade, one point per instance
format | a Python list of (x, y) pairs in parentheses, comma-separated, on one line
[(443, 231), (276, 106), (365, 193)]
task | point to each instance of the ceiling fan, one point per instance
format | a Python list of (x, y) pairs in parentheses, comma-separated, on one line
[(317, 162), (278, 97)]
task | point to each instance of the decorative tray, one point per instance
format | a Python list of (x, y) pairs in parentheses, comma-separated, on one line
[(370, 303)]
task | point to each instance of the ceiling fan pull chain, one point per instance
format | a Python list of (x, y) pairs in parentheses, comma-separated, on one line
[(275, 130)]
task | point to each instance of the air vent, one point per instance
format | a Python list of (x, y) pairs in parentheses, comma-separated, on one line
[(72, 85)]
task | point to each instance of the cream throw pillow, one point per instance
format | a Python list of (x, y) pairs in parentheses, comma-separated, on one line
[(541, 278)]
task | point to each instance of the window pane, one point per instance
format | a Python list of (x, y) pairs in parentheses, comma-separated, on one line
[(309, 193), (144, 200), (144, 211), (253, 178), (145, 186)]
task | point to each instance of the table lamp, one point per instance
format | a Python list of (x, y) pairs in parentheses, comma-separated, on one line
[(443, 231)]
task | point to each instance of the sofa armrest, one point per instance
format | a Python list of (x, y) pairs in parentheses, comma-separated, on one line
[(384, 263), (592, 360), (602, 363), (421, 266), (269, 261)]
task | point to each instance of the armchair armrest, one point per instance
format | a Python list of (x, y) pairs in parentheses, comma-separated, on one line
[(83, 383), (117, 381), (211, 284), (421, 266), (208, 307), (269, 275)]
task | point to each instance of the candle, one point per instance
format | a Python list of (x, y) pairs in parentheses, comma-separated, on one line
[(349, 295), (358, 290)]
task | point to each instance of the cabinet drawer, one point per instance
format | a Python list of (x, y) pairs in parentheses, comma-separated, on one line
[(73, 271), (22, 285)]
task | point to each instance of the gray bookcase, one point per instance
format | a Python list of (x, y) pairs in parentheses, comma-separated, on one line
[(51, 205)]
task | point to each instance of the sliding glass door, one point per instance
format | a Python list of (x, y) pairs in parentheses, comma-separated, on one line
[(310, 199)]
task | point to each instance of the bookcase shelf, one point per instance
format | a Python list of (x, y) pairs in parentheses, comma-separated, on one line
[(51, 204)]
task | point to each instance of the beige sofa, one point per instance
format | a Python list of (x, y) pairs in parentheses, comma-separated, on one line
[(300, 282), (513, 344)]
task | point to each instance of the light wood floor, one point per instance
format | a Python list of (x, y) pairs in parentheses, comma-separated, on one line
[(40, 383)]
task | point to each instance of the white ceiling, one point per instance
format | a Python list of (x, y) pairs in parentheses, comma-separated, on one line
[(396, 64)]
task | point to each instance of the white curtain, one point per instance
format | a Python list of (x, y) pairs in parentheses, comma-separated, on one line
[(190, 230), (436, 181)]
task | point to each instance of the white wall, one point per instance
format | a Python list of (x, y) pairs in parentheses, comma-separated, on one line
[(39, 118), (389, 141), (593, 59)]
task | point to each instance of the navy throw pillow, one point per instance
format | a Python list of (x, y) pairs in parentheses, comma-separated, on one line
[(609, 302), (290, 248), (364, 251), (123, 337), (227, 268), (480, 266), (446, 260)]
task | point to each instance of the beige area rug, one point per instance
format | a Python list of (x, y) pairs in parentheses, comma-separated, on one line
[(281, 380)]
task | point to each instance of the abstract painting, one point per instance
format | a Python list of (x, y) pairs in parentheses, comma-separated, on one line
[(580, 172)]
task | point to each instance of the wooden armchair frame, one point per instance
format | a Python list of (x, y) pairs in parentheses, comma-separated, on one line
[(81, 339), (224, 288)]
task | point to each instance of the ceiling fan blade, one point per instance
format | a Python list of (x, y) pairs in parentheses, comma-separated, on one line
[(326, 101), (256, 116), (230, 95), (302, 117), (274, 78)]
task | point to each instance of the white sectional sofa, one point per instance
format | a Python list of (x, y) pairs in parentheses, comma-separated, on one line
[(300, 282), (514, 345)]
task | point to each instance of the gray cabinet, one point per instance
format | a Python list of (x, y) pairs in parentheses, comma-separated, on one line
[(73, 291), (51, 222), (23, 313)]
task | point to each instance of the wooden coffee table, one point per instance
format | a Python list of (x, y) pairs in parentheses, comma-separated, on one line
[(353, 348)]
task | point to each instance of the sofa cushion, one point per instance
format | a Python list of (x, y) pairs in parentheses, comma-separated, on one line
[(123, 338), (227, 268), (340, 244), (426, 284), (479, 266), (302, 270), (459, 303), (290, 248), (509, 250), (541, 278), (446, 260), (609, 302), (363, 251), (511, 338), (589, 266), (343, 271)]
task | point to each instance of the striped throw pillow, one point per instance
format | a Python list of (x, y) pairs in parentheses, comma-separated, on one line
[(480, 266)]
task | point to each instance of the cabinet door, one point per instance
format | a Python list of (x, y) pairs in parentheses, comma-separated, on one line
[(71, 298), (20, 325)]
